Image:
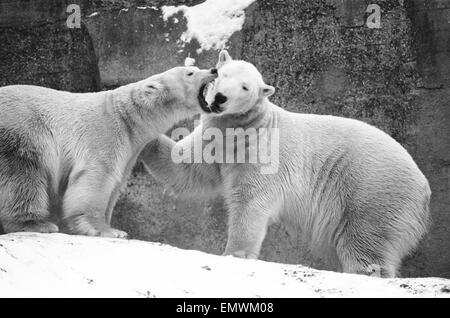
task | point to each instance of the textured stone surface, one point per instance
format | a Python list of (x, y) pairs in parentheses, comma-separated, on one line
[(318, 53), (133, 42), (37, 48)]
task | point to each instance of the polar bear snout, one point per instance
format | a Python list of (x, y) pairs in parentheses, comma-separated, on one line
[(220, 99)]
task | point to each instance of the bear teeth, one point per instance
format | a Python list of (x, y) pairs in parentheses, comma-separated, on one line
[(202, 101)]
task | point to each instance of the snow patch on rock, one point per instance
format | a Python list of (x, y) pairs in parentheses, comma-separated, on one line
[(147, 7), (212, 22), (189, 61)]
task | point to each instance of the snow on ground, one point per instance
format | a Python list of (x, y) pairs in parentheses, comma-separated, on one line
[(212, 22), (58, 265)]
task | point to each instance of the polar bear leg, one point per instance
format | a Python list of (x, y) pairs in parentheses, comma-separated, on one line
[(365, 255), (199, 180), (23, 196), (372, 241), (84, 206), (247, 229), (26, 211)]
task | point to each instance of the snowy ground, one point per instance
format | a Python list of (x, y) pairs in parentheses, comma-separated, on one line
[(57, 265)]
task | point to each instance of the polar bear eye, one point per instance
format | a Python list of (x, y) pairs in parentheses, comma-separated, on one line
[(245, 88), (190, 73)]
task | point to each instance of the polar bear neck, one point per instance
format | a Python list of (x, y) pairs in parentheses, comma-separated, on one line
[(260, 115), (141, 123)]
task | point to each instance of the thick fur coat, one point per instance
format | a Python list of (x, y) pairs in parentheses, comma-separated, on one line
[(64, 157), (354, 193)]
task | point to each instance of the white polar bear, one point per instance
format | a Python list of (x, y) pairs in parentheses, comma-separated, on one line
[(64, 157), (355, 194)]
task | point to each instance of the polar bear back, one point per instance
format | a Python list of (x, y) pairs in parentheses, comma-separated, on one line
[(363, 149), (343, 170), (23, 101)]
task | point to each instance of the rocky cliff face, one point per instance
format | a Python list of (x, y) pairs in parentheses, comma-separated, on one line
[(38, 48), (319, 54)]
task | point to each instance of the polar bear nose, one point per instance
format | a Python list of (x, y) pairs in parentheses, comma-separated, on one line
[(214, 71), (220, 98)]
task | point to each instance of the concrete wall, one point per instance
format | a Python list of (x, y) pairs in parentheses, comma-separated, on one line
[(321, 58)]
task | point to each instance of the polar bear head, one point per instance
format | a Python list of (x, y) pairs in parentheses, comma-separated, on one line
[(176, 92), (238, 87)]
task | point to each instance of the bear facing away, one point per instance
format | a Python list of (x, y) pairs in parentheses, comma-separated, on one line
[(64, 157), (355, 194)]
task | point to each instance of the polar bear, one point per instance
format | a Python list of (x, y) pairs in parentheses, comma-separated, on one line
[(354, 193), (64, 157)]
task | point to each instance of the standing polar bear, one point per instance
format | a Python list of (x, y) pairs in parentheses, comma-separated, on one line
[(355, 193), (64, 157)]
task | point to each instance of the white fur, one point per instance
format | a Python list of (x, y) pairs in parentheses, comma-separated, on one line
[(355, 194), (64, 157)]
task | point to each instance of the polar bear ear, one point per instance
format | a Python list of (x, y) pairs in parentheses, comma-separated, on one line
[(267, 90), (152, 87), (224, 58)]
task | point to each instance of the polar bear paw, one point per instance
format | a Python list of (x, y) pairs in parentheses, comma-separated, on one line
[(90, 226), (242, 254), (113, 233), (32, 226)]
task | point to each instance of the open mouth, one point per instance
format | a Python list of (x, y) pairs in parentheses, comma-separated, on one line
[(214, 108)]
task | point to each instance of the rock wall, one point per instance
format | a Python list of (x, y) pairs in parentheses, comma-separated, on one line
[(321, 57), (37, 48)]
